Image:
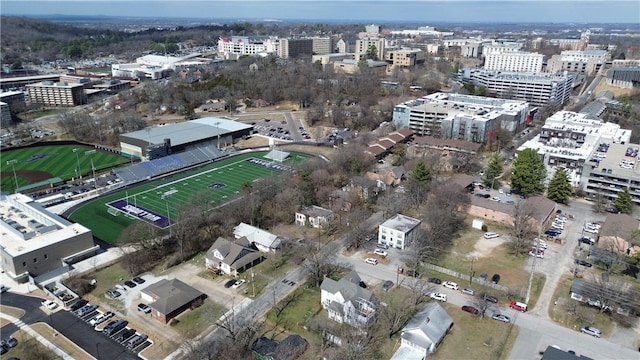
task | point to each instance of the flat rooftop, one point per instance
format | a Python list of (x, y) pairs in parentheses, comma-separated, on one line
[(401, 223), (616, 159), (38, 227)]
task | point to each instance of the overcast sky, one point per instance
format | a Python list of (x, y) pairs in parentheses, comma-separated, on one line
[(512, 11)]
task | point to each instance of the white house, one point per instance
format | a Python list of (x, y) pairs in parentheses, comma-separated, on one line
[(231, 257), (347, 302), (314, 216), (424, 333), (261, 239), (398, 231)]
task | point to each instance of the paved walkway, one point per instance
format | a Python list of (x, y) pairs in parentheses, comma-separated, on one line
[(51, 346)]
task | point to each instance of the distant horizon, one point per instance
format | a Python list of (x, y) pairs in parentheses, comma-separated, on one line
[(426, 11)]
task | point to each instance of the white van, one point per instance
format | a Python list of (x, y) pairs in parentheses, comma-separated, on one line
[(491, 235)]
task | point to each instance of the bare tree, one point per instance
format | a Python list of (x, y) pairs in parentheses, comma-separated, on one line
[(523, 228), (317, 263), (610, 293), (356, 222), (483, 305), (395, 315)]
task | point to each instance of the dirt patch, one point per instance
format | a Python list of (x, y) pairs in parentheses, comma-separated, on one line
[(31, 175), (484, 247)]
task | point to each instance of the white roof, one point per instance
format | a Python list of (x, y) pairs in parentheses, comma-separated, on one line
[(401, 223), (256, 235)]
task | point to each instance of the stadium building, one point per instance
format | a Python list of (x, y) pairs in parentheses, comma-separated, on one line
[(156, 142), (35, 241)]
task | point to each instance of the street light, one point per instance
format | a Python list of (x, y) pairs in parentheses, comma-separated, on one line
[(15, 178), (93, 168), (218, 131), (166, 201), (78, 170), (253, 284)]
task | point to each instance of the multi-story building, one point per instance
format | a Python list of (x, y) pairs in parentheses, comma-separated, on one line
[(322, 45), (514, 61), (584, 62), (293, 48), (398, 231), (627, 77), (501, 48), (462, 117), (331, 58), (10, 100), (536, 88), (5, 115), (363, 45), (472, 49), (605, 176), (569, 139), (57, 94), (345, 46), (35, 241), (372, 29), (248, 45), (404, 58)]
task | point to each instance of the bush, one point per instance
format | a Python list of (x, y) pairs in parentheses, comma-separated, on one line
[(78, 284)]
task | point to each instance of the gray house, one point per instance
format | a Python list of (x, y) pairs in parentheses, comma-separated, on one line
[(232, 257), (424, 333)]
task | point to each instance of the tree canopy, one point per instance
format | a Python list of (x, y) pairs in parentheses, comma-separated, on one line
[(494, 171), (623, 203), (529, 173), (559, 189)]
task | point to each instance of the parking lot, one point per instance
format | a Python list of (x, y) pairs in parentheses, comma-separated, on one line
[(285, 127)]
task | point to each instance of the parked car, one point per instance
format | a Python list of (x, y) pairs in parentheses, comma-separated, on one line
[(591, 230), (590, 330), (450, 285), (489, 298), (471, 310), (413, 273), (501, 317), (438, 296), (11, 342), (3, 289), (382, 246), (584, 263), (144, 308), (380, 252), (86, 310), (587, 240), (115, 326), (483, 276), (136, 340), (491, 235), (539, 253), (78, 304), (113, 294), (371, 261), (522, 307), (49, 304), (130, 284), (468, 291), (100, 318), (238, 284), (139, 280), (125, 334), (229, 283), (387, 285), (552, 232), (495, 278), (435, 280)]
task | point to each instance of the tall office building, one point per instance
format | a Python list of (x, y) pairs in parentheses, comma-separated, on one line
[(292, 48), (514, 61)]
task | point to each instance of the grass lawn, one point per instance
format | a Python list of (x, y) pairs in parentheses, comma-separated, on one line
[(159, 350), (106, 279), (474, 338), (52, 161), (193, 322), (559, 313), (305, 306), (40, 113), (27, 347), (11, 311), (165, 196)]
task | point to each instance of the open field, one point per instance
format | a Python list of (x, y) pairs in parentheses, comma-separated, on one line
[(159, 201), (40, 163)]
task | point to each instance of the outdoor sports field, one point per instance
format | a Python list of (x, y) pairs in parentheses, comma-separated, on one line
[(108, 216), (58, 163)]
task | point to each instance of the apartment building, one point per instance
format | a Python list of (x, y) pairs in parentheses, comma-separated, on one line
[(248, 45), (363, 45), (539, 89), (569, 139), (345, 46), (404, 58), (36, 241), (472, 49), (398, 231), (10, 100), (586, 62), (501, 48), (322, 45), (461, 117), (60, 93), (613, 168), (514, 61), (293, 48)]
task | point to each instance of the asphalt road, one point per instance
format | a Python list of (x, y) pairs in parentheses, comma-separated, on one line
[(69, 325)]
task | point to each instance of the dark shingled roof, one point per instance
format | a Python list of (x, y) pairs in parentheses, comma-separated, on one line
[(171, 295)]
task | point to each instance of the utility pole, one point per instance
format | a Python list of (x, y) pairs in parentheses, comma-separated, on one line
[(78, 170), (533, 263), (93, 168)]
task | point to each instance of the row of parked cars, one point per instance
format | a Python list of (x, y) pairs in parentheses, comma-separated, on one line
[(116, 291), (115, 329)]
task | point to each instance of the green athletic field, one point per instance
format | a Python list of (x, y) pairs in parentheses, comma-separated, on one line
[(40, 163), (170, 193)]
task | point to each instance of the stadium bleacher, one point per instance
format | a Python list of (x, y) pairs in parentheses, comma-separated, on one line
[(169, 163)]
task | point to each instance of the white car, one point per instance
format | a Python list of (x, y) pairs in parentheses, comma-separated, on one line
[(495, 198), (49, 304), (540, 253), (450, 285), (541, 245), (380, 252), (491, 235), (438, 296), (591, 230), (238, 284), (371, 261), (100, 318)]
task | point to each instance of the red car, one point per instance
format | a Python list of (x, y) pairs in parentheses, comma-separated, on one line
[(522, 307), (471, 310)]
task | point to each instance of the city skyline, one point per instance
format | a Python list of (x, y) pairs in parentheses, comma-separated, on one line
[(501, 11)]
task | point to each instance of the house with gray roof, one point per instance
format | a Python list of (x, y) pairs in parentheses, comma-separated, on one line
[(424, 333), (170, 297), (261, 239), (314, 216), (232, 257), (398, 231), (347, 302)]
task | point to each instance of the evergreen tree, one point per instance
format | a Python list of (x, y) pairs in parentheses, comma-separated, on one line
[(623, 203), (529, 173), (494, 171), (420, 174), (559, 189), (418, 184)]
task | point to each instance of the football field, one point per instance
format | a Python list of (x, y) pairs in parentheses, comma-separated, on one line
[(158, 202)]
